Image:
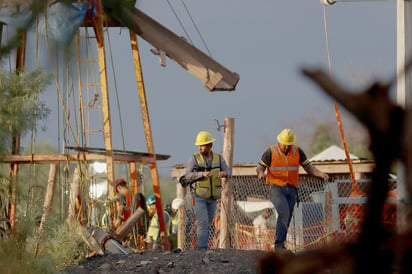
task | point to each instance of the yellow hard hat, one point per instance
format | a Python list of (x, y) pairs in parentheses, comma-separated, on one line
[(286, 137), (204, 138)]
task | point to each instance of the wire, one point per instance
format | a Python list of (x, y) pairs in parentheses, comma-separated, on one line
[(180, 22), (59, 91), (197, 29)]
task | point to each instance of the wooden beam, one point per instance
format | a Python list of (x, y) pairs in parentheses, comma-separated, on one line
[(215, 76), (49, 158), (148, 131), (336, 167)]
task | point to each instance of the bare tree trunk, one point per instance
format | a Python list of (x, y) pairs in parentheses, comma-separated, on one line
[(48, 200), (74, 205)]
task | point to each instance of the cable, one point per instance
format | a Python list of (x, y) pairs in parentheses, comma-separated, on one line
[(194, 24), (327, 41), (180, 22)]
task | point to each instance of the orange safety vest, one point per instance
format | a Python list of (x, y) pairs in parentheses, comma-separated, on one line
[(283, 169), (128, 210)]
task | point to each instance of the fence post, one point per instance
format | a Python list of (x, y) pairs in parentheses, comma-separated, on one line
[(227, 193), (181, 215)]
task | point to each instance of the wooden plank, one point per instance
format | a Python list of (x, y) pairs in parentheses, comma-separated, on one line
[(50, 158)]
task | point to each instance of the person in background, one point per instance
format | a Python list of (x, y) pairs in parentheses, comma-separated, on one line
[(155, 237), (281, 161), (261, 229), (207, 168), (172, 229), (124, 200)]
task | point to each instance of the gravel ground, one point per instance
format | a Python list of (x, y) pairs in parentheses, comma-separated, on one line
[(191, 261)]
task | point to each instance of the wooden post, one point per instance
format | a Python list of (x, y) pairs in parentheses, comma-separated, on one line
[(227, 193), (181, 215)]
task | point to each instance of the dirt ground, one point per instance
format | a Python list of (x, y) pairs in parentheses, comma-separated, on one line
[(191, 261)]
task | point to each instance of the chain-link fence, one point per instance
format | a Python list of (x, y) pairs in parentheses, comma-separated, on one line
[(326, 212)]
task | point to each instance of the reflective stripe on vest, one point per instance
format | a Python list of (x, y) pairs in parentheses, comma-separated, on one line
[(283, 169), (207, 188), (154, 226)]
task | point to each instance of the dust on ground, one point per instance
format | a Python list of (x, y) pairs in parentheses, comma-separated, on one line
[(214, 261)]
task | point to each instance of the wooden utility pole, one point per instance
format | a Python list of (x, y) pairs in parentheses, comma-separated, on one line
[(227, 192)]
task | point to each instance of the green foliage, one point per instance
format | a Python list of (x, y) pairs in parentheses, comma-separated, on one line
[(16, 256), (25, 252), (21, 107), (321, 139), (65, 247)]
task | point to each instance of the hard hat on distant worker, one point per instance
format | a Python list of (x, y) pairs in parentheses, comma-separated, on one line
[(177, 203), (204, 138), (286, 137), (151, 200)]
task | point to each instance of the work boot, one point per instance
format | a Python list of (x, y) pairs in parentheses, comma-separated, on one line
[(281, 250)]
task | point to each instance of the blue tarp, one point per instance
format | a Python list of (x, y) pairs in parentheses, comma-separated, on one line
[(62, 20)]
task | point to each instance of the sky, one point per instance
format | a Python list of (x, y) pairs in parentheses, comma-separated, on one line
[(267, 43)]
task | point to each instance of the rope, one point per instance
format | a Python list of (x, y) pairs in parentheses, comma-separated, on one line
[(180, 22), (116, 90), (194, 24), (327, 41), (355, 188)]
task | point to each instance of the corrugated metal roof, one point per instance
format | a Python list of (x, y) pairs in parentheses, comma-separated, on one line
[(333, 153)]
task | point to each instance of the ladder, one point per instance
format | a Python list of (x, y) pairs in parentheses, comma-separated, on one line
[(89, 89)]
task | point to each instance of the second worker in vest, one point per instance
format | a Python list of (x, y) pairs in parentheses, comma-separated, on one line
[(282, 164), (207, 168)]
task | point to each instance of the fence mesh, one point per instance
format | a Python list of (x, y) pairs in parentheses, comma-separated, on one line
[(326, 212)]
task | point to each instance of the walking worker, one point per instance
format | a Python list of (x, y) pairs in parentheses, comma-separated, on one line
[(207, 168), (282, 165)]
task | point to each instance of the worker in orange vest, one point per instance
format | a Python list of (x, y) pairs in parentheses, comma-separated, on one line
[(282, 161)]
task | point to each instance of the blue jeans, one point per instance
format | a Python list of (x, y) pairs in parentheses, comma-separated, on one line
[(205, 212), (283, 199)]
